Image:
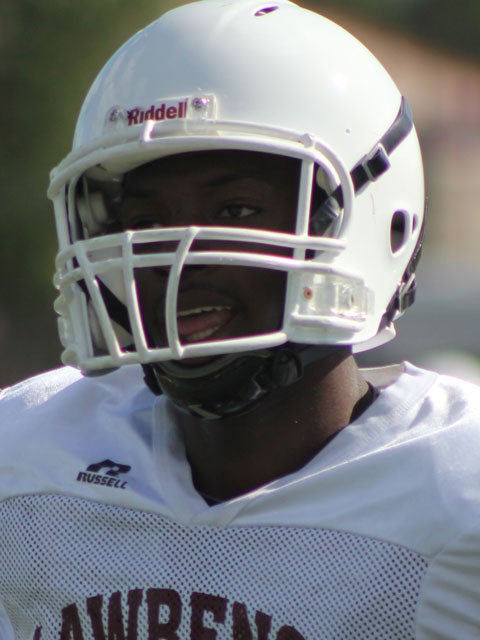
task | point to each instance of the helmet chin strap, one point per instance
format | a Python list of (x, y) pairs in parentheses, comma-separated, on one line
[(232, 384)]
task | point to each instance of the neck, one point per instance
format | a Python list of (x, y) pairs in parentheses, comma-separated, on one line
[(237, 454)]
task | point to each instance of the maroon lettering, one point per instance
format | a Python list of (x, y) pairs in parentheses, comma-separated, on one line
[(116, 627), (241, 629), (134, 600), (164, 618), (133, 116), (202, 603), (263, 623), (116, 630), (38, 634), (240, 625), (160, 112), (138, 116), (163, 630), (289, 633), (71, 627), (150, 114), (94, 610)]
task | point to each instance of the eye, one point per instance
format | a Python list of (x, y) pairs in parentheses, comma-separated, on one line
[(235, 211), (136, 218)]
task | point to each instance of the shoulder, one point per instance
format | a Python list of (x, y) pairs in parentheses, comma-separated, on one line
[(433, 422), (447, 411), (432, 402), (67, 385), (446, 430), (63, 401), (436, 418), (407, 470), (39, 388), (57, 423)]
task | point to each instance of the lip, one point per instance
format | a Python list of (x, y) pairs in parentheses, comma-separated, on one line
[(199, 324), (204, 313)]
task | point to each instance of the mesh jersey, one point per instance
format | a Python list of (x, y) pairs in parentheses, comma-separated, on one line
[(103, 536)]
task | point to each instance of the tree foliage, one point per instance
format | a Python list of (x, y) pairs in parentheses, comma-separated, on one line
[(50, 51), (442, 23)]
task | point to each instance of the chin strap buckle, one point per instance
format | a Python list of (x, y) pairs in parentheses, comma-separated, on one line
[(406, 294), (376, 163)]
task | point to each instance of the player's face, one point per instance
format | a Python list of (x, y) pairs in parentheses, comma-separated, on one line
[(217, 188)]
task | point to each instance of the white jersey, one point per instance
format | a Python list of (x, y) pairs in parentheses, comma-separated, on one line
[(103, 536)]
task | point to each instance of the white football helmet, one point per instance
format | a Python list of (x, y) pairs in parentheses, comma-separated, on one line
[(242, 75)]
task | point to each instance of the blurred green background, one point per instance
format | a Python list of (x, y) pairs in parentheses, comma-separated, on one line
[(51, 51)]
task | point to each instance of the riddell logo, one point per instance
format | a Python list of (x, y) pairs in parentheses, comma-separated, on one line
[(109, 477), (163, 111)]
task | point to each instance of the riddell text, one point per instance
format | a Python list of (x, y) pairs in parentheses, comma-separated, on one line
[(166, 617), (163, 111)]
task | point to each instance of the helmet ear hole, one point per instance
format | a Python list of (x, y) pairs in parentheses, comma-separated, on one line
[(398, 230)]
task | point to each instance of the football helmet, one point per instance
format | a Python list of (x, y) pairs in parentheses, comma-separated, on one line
[(267, 78)]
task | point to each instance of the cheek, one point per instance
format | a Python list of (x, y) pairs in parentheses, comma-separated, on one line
[(265, 295), (151, 288)]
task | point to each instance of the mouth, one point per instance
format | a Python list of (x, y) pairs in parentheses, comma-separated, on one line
[(198, 324)]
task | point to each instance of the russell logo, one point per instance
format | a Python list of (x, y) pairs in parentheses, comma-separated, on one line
[(105, 473)]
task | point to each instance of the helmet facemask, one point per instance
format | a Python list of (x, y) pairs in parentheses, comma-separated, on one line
[(117, 264)]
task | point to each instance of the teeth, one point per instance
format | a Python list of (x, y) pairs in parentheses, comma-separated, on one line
[(198, 310)]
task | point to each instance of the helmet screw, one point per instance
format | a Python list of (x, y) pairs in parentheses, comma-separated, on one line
[(308, 293), (200, 103)]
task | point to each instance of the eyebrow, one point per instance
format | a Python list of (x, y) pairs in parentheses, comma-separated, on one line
[(228, 178)]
